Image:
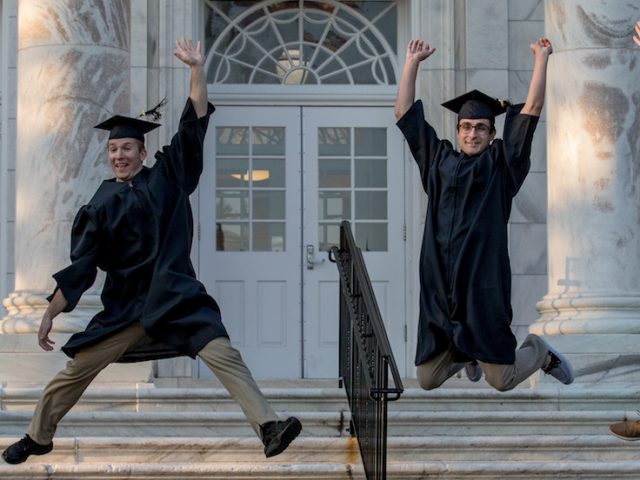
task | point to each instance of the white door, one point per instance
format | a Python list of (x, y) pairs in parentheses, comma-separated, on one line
[(276, 184), (352, 171)]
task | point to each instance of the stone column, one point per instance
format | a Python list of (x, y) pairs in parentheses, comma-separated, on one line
[(593, 94), (73, 71)]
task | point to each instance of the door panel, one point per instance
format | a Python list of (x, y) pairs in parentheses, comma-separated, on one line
[(351, 172), (249, 248), (277, 183)]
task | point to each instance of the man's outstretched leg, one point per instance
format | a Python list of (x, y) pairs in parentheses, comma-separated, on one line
[(227, 364), (64, 390), (533, 354)]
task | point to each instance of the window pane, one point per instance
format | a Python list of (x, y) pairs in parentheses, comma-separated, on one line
[(329, 236), (232, 237), (268, 205), (268, 172), (371, 205), (334, 172), (370, 142), (371, 237), (232, 204), (334, 206), (371, 173), (334, 141), (232, 141), (268, 140), (231, 172), (268, 237)]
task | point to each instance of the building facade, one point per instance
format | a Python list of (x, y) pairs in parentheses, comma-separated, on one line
[(302, 138)]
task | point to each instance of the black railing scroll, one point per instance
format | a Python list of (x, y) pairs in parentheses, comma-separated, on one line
[(365, 357)]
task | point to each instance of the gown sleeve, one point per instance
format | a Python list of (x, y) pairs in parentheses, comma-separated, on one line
[(182, 158), (421, 138), (517, 138), (75, 279)]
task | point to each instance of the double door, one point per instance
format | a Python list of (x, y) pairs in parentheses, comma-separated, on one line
[(276, 185)]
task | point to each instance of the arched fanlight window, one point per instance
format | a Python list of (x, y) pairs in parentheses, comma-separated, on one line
[(301, 42)]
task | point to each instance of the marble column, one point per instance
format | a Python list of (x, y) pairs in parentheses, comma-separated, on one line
[(593, 94), (73, 71)]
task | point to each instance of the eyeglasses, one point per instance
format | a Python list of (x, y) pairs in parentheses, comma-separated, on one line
[(480, 128)]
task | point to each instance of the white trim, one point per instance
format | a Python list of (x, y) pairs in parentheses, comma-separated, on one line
[(370, 96), (3, 175), (8, 60)]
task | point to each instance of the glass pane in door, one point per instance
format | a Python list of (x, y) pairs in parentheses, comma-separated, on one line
[(352, 185), (250, 189)]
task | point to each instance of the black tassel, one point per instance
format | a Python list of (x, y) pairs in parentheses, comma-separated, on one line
[(155, 113)]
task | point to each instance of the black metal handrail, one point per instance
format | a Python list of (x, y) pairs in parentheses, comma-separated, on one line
[(365, 356)]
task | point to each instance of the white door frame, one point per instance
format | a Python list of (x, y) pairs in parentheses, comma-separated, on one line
[(206, 193)]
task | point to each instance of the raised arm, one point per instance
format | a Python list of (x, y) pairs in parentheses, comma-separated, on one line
[(417, 51), (541, 50), (636, 37), (192, 56)]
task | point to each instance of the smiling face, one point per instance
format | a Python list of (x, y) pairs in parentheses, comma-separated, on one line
[(474, 135), (126, 156)]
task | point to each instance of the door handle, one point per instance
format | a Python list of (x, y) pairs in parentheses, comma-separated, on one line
[(311, 258)]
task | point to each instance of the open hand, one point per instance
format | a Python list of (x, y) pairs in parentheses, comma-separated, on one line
[(636, 37), (419, 50), (187, 53), (542, 46)]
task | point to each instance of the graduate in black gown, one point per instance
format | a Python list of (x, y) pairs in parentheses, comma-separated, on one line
[(465, 276), (138, 228)]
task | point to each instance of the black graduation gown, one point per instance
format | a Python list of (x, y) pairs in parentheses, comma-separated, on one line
[(465, 275), (140, 235)]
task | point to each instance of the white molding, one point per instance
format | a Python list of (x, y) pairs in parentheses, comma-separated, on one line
[(8, 57), (292, 95)]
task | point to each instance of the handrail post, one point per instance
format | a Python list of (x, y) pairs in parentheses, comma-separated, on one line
[(365, 356)]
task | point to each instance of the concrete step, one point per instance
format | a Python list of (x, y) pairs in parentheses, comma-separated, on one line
[(446, 457), (171, 424), (303, 394), (344, 450), (327, 471), (323, 424)]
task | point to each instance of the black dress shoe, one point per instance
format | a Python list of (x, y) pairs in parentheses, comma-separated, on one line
[(277, 436), (20, 451)]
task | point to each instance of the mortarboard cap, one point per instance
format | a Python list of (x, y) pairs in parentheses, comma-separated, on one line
[(475, 104), (127, 127)]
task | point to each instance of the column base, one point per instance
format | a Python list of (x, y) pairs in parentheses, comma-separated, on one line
[(24, 363)]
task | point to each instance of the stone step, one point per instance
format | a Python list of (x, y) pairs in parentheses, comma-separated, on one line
[(324, 424), (447, 457), (171, 424), (449, 448), (327, 471), (302, 395)]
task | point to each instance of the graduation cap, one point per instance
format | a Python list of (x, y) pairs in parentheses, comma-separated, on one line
[(127, 127), (475, 104)]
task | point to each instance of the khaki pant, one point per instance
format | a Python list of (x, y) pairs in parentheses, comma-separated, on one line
[(531, 356), (67, 386)]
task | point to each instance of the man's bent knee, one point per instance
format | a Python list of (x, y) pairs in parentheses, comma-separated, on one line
[(429, 385), (429, 382), (499, 382)]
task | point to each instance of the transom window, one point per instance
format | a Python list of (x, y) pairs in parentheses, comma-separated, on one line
[(301, 42)]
